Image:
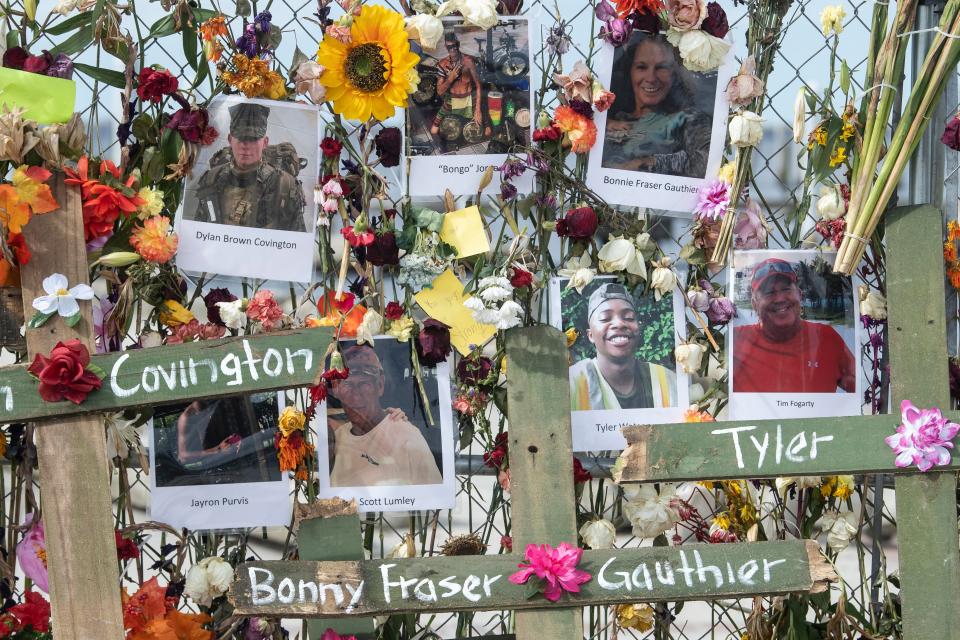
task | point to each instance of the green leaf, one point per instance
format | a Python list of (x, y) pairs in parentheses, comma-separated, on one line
[(97, 371), (170, 145), (202, 72), (38, 319), (73, 320), (844, 77), (74, 44), (243, 8), (298, 58), (71, 23), (118, 49), (143, 129), (190, 45), (152, 165), (107, 76), (13, 39), (276, 35), (163, 27), (202, 15)]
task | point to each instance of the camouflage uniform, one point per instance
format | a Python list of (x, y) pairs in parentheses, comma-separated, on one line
[(263, 196)]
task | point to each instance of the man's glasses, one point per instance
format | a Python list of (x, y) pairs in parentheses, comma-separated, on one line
[(774, 267)]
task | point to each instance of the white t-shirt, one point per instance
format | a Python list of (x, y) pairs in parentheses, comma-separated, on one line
[(393, 453)]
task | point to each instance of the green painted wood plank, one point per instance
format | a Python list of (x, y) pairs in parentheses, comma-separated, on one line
[(541, 461), (480, 583), (208, 369), (926, 503), (760, 449)]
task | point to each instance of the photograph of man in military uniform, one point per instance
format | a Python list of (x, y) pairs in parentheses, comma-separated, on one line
[(474, 92), (250, 183)]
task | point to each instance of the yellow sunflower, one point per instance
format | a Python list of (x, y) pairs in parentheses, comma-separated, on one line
[(370, 75)]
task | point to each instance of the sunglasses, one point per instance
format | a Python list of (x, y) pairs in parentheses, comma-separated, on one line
[(771, 268)]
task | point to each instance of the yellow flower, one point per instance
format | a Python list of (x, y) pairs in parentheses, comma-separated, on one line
[(291, 420), (635, 616), (254, 78), (819, 136), (826, 486), (839, 156), (831, 19), (276, 86), (152, 203), (847, 132), (722, 521), (572, 336), (401, 328), (844, 487), (174, 314), (726, 172), (953, 230), (370, 75)]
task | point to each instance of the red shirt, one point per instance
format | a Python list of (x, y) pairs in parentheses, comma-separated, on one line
[(814, 360)]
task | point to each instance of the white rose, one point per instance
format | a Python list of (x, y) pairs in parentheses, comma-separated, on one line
[(699, 50), (839, 527), (479, 13), (650, 513), (689, 355), (208, 579), (830, 204), (698, 299), (746, 129), (425, 29), (800, 115), (620, 254), (802, 482), (232, 313), (664, 279), (874, 305), (645, 245), (579, 271), (598, 534), (371, 325)]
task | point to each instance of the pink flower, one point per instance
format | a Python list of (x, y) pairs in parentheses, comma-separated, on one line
[(32, 553), (922, 438), (330, 634), (264, 308), (557, 568), (749, 232), (712, 201)]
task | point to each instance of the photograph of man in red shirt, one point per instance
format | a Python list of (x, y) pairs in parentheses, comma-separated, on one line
[(781, 352)]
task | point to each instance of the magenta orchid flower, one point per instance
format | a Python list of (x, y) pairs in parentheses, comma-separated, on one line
[(32, 553), (923, 438), (557, 568)]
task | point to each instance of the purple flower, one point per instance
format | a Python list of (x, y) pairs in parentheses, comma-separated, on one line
[(605, 11), (922, 438), (261, 23), (507, 191), (558, 42), (721, 310), (712, 201), (951, 134), (247, 43), (512, 168), (32, 553), (61, 67), (546, 201), (616, 31), (539, 165)]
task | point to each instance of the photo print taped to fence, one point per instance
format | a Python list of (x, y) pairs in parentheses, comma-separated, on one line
[(794, 347), (213, 464), (622, 368), (377, 442), (663, 137), (248, 210), (473, 105)]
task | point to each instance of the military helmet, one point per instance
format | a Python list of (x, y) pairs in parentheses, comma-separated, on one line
[(248, 121)]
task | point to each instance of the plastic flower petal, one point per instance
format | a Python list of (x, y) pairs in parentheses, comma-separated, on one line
[(922, 438), (31, 190), (556, 568), (32, 553), (59, 299)]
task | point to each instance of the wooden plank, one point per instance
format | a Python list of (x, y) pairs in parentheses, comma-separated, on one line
[(541, 461), (480, 583), (926, 503), (330, 530), (71, 452), (760, 449), (145, 377)]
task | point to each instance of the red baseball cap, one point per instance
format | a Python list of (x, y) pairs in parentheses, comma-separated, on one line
[(772, 267)]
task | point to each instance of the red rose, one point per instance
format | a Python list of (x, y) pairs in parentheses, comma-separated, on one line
[(472, 370), (579, 473), (331, 147), (951, 134), (64, 375), (383, 250), (152, 84), (394, 311), (433, 342), (127, 549), (579, 224), (546, 134), (716, 21), (521, 278), (387, 143)]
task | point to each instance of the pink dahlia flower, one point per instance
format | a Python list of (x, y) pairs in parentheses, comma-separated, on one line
[(923, 438), (557, 568), (712, 201)]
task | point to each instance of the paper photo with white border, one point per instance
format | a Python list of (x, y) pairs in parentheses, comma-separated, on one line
[(376, 442), (664, 135), (473, 105), (249, 208), (213, 464), (794, 347), (615, 328)]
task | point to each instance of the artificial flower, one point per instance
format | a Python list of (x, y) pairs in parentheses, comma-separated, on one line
[(922, 438), (307, 81), (60, 300), (800, 115), (232, 313), (578, 129), (433, 342), (746, 129), (263, 308), (626, 8), (598, 534), (689, 355), (208, 579), (716, 21), (368, 76), (713, 199), (744, 87), (831, 19), (478, 13), (873, 304), (578, 84), (370, 326), (699, 51), (105, 196), (839, 527), (345, 323), (25, 195), (32, 552), (663, 280), (649, 512), (154, 240), (555, 567), (831, 204), (147, 604), (684, 15), (173, 314), (425, 29), (154, 84), (578, 224), (635, 616), (64, 374), (15, 142), (579, 271), (621, 254)]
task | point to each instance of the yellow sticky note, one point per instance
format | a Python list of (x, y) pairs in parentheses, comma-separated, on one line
[(46, 100), (444, 302), (463, 229)]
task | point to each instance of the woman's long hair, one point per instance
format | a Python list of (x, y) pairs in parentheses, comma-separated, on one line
[(680, 95)]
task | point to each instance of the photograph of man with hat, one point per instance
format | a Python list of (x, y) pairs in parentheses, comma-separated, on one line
[(250, 183), (781, 351), (458, 85), (616, 378)]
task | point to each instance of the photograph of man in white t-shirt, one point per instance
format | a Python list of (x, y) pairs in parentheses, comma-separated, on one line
[(374, 445)]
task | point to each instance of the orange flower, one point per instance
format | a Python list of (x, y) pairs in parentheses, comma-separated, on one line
[(215, 26), (953, 230), (26, 195), (292, 452), (692, 415), (103, 203), (346, 323), (953, 272), (580, 130), (149, 602), (176, 626), (154, 241), (626, 7), (949, 252), (254, 78)]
